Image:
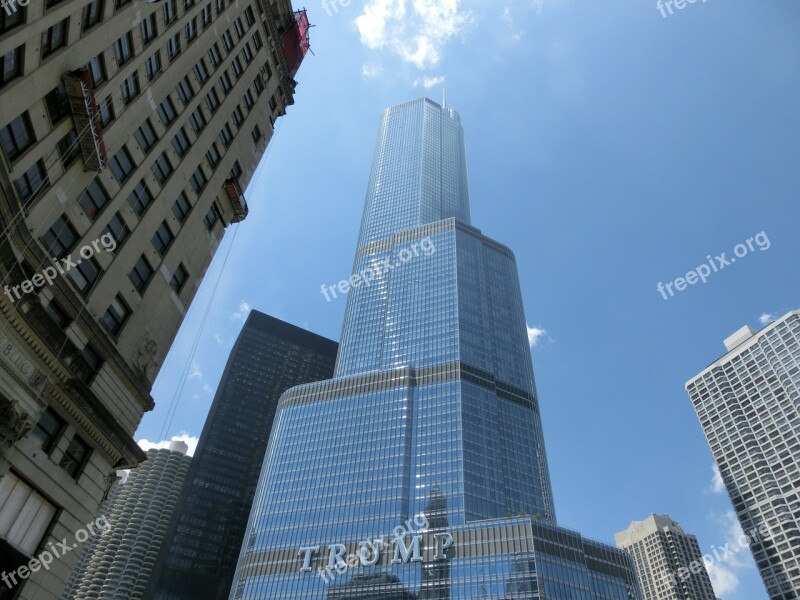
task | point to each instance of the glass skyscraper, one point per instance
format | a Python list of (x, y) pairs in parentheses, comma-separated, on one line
[(432, 411)]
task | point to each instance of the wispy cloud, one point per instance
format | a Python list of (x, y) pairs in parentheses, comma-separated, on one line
[(190, 440), (429, 82), (766, 318), (194, 371), (372, 70), (725, 574), (717, 484), (244, 310), (535, 334), (417, 34)]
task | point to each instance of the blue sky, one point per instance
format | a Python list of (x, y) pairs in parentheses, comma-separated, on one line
[(612, 149)]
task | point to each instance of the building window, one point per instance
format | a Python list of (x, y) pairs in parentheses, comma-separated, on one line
[(206, 15), (257, 41), (273, 104), (166, 112), (52, 3), (146, 136), (91, 358), (140, 274), (116, 315), (198, 180), (121, 165), (197, 119), (226, 135), (212, 156), (214, 55), (17, 136), (84, 274), (148, 29), (256, 134), (130, 87), (57, 314), (48, 430), (258, 85), (200, 71), (117, 229), (238, 116), (179, 279), (211, 218), (10, 19), (249, 16), (69, 148), (191, 30), (225, 82), (187, 4), (152, 65), (170, 11), (57, 104), (92, 13), (75, 457), (185, 90), (106, 108), (181, 208), (236, 170), (120, 3), (238, 28), (212, 101), (11, 64), (220, 7), (248, 100), (267, 71), (97, 70), (54, 38), (140, 198), (162, 238), (174, 47), (247, 54), (180, 142), (227, 41), (93, 199), (161, 168), (32, 181), (123, 49), (236, 65), (60, 238)]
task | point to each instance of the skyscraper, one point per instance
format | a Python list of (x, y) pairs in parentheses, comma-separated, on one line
[(128, 130), (118, 562), (748, 403), (668, 560), (432, 413), (198, 558)]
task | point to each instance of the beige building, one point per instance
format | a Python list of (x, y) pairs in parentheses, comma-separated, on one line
[(127, 133), (668, 560)]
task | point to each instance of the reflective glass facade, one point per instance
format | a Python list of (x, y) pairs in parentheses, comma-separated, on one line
[(432, 411), (198, 558)]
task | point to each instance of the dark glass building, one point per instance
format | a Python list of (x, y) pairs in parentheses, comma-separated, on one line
[(432, 413), (198, 557)]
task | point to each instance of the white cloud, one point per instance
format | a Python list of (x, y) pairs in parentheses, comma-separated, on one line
[(535, 334), (724, 573), (207, 389), (244, 309), (507, 15), (717, 484), (418, 34), (537, 6), (190, 440), (372, 70), (429, 82), (195, 371), (766, 318), (218, 339)]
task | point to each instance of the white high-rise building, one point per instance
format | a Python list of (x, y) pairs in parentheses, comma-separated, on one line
[(119, 561), (668, 560), (748, 403)]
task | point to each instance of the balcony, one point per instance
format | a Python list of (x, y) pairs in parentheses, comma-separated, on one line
[(236, 197)]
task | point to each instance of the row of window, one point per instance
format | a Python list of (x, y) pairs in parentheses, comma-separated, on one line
[(48, 432)]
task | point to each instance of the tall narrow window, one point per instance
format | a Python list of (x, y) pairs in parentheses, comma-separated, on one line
[(54, 38)]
